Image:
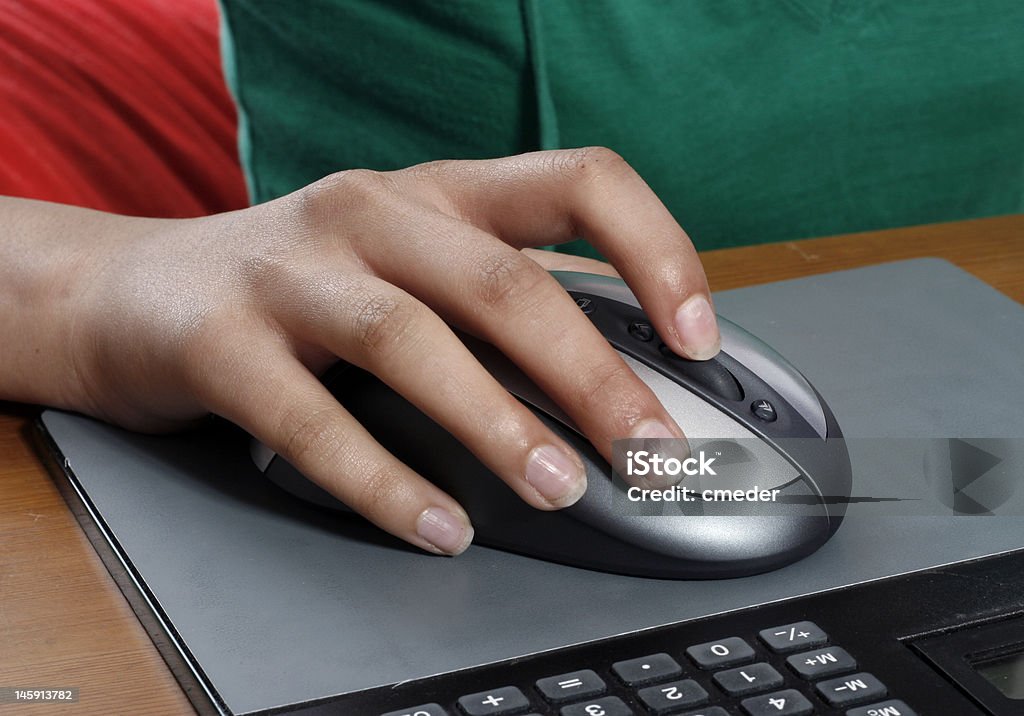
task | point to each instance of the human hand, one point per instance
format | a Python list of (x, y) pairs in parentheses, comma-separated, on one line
[(236, 314)]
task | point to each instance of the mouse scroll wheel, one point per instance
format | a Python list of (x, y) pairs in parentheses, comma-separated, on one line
[(709, 374)]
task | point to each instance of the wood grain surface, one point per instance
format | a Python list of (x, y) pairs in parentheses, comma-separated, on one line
[(64, 623)]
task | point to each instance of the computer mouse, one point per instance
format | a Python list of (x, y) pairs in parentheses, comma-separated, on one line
[(764, 433)]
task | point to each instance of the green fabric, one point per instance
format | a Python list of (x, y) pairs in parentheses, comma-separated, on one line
[(753, 121)]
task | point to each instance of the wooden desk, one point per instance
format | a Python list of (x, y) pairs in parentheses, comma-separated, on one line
[(63, 621)]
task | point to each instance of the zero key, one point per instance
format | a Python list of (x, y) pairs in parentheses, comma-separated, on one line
[(732, 651)]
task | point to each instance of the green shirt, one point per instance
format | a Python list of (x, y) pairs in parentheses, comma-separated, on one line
[(753, 120)]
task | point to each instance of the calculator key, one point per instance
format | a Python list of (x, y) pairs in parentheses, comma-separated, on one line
[(822, 662), (780, 703), (793, 637), (748, 679), (647, 669), (894, 707), (709, 711), (671, 697), (608, 706), (421, 710), (851, 689), (576, 685), (724, 652), (506, 700)]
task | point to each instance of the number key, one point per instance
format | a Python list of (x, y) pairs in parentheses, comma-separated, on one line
[(608, 706), (745, 680), (781, 703), (724, 652), (666, 698)]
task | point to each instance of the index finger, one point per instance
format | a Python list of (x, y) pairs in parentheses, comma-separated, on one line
[(554, 196)]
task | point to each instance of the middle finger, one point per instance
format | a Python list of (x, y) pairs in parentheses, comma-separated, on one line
[(493, 291)]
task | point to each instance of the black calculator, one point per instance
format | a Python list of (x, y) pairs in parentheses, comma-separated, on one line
[(940, 642)]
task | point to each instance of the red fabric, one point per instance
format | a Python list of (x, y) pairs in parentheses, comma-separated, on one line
[(117, 105)]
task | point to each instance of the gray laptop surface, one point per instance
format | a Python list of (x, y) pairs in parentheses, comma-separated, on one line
[(280, 603)]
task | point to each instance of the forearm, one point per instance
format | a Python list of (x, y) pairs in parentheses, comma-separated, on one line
[(47, 252)]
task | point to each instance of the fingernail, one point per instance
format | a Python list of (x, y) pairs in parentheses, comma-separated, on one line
[(698, 328), (449, 533), (555, 475), (673, 446), (652, 429)]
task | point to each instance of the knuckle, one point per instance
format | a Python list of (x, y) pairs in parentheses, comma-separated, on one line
[(432, 169), (586, 163), (346, 191), (311, 438), (363, 183), (508, 279), (605, 386), (268, 273), (381, 322), (377, 492), (435, 184)]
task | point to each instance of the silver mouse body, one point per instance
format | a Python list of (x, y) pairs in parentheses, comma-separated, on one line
[(748, 406)]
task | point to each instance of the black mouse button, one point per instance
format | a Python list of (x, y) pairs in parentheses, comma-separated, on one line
[(641, 330), (587, 304), (709, 374), (764, 410)]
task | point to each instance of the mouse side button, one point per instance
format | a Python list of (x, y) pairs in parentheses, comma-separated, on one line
[(596, 284), (711, 374), (764, 362), (261, 455)]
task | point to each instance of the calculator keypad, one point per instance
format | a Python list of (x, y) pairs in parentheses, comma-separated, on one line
[(790, 670)]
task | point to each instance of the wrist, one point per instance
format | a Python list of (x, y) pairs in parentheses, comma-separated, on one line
[(46, 262)]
